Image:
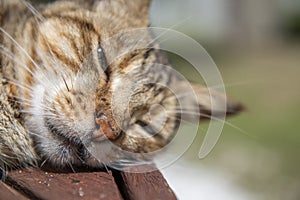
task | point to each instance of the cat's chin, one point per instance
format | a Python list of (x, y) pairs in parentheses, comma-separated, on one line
[(107, 153)]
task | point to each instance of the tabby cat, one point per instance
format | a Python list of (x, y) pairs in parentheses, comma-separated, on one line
[(69, 89)]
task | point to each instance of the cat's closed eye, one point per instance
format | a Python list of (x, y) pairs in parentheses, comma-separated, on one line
[(102, 58)]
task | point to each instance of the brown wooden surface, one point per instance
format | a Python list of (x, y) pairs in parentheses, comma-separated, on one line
[(46, 185), (8, 193), (34, 183), (147, 186)]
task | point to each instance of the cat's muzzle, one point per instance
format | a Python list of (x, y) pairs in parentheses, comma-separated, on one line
[(104, 129)]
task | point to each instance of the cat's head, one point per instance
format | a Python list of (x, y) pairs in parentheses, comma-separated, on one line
[(106, 91)]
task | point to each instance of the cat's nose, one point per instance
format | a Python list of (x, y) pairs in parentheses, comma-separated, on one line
[(105, 130)]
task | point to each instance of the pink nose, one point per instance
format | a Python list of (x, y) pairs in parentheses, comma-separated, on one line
[(105, 130)]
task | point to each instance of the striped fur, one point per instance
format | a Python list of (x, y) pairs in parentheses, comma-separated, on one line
[(50, 57)]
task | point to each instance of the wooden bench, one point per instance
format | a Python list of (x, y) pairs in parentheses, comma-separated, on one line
[(32, 183)]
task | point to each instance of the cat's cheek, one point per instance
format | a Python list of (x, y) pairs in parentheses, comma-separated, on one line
[(37, 99), (55, 153)]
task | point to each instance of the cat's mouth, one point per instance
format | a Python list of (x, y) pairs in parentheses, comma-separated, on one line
[(105, 143)]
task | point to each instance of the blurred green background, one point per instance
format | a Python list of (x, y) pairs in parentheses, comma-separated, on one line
[(256, 46)]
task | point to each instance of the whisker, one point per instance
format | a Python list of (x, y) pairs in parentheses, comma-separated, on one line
[(44, 162), (53, 57), (101, 163), (168, 29), (8, 54), (28, 102), (29, 57), (138, 43), (66, 84), (79, 158), (44, 116), (158, 36), (42, 107), (106, 168), (21, 48), (49, 116), (13, 58), (20, 99), (35, 12), (19, 102), (20, 85), (40, 136), (184, 94), (181, 119), (71, 166), (2, 172)]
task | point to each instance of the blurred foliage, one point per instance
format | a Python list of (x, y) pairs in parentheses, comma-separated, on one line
[(291, 27), (260, 148)]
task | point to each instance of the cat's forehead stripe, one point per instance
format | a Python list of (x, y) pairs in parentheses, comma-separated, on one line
[(63, 37)]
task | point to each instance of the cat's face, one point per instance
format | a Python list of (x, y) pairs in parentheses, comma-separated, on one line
[(100, 89), (125, 101), (93, 82)]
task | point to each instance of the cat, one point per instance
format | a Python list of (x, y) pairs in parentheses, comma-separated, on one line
[(74, 92)]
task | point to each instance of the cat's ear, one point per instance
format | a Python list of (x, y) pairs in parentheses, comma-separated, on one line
[(136, 6), (139, 7), (213, 104), (137, 10)]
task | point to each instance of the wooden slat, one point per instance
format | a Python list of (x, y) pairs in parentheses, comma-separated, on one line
[(146, 186), (8, 193), (47, 185)]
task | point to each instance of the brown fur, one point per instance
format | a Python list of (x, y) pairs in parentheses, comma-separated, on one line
[(77, 96)]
